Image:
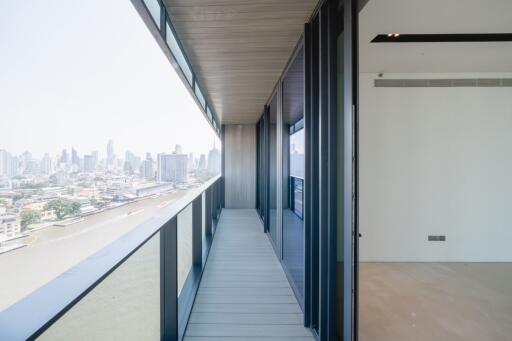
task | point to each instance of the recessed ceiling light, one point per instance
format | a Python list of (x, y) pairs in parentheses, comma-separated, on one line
[(390, 34), (396, 35)]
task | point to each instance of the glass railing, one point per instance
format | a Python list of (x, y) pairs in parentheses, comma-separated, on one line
[(139, 287)]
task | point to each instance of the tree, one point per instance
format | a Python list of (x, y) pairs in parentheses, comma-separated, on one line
[(59, 207), (74, 208), (98, 204), (3, 202), (29, 217)]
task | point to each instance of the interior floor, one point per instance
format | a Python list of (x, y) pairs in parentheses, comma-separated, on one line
[(435, 301)]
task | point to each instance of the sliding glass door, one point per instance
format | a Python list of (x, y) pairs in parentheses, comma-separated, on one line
[(293, 173)]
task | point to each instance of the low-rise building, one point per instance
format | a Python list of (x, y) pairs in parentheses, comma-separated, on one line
[(10, 226)]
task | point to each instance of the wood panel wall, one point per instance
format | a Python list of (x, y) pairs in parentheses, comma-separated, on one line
[(240, 165)]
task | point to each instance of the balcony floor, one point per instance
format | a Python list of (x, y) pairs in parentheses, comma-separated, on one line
[(244, 293)]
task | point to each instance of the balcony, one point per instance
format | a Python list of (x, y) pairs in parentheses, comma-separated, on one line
[(134, 288), (244, 292)]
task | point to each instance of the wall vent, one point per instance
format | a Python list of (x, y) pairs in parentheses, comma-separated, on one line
[(436, 238), (447, 83)]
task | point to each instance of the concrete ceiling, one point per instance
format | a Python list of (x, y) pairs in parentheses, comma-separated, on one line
[(239, 48), (435, 16)]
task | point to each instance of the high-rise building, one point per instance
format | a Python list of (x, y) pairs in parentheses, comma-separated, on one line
[(214, 161), (146, 167), (132, 162), (202, 163), (89, 163), (110, 152), (75, 160), (64, 156), (172, 168), (46, 164), (95, 158), (191, 164), (14, 167), (5, 161), (178, 149)]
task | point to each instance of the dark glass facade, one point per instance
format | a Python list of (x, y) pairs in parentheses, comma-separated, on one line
[(293, 167)]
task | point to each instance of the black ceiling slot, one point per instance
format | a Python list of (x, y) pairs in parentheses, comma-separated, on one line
[(442, 38)]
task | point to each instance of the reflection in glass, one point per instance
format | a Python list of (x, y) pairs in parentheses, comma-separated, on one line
[(293, 172)]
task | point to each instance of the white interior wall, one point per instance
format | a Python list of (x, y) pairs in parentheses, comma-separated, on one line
[(435, 161)]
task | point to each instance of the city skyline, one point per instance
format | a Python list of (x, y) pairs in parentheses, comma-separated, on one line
[(86, 87), (102, 153)]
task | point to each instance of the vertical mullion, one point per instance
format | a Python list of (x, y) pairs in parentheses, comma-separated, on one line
[(169, 280), (314, 173), (279, 170), (208, 212), (323, 181), (350, 195), (332, 178), (266, 125), (197, 238), (307, 175)]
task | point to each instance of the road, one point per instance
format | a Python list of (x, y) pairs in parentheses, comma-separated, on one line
[(53, 250)]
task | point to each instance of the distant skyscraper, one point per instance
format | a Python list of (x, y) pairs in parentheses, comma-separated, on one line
[(89, 163), (95, 158), (127, 168), (132, 160), (178, 149), (191, 164), (75, 160), (172, 167), (14, 166), (146, 167), (214, 161), (110, 152), (27, 157), (64, 156), (6, 161), (202, 163), (46, 164), (29, 165)]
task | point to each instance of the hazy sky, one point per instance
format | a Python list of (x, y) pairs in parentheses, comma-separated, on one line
[(78, 73)]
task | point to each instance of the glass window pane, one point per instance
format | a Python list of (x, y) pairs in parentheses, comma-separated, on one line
[(184, 245), (200, 96), (154, 9), (293, 172), (210, 116), (124, 306), (177, 53)]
